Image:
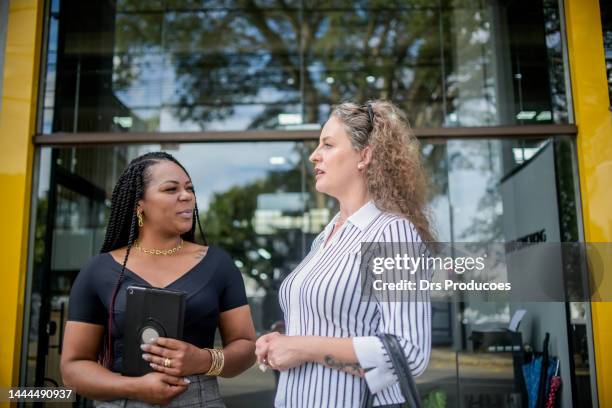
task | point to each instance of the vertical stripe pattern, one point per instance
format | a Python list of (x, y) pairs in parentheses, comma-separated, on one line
[(322, 297)]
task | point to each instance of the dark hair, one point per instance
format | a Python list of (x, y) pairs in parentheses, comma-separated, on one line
[(121, 230)]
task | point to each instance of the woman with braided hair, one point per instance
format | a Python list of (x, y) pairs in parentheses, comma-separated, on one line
[(150, 241)]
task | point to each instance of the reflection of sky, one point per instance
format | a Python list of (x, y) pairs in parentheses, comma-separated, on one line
[(216, 167), (213, 167), (51, 65), (154, 89), (157, 81), (45, 169), (440, 219), (468, 186), (153, 93)]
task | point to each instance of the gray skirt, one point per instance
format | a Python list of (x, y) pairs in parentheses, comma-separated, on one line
[(203, 391)]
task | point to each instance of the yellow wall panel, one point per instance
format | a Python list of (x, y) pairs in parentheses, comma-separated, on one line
[(17, 125), (20, 52), (594, 120)]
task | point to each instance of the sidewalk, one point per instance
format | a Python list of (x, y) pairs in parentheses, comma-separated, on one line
[(484, 379)]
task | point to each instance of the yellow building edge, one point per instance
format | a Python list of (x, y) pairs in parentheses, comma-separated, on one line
[(17, 125), (594, 121)]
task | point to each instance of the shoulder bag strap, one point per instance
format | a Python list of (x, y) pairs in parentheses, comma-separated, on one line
[(402, 372)]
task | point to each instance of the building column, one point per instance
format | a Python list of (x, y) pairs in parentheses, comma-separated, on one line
[(594, 121), (17, 125)]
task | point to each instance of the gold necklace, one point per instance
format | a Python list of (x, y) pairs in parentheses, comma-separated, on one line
[(159, 251)]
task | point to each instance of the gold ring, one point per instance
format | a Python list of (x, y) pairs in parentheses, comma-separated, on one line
[(167, 363)]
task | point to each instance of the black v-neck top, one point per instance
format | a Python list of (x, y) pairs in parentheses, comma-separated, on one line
[(212, 286)]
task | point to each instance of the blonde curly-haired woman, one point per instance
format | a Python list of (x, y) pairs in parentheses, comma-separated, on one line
[(369, 160)]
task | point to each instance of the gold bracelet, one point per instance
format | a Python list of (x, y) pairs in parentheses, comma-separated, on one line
[(220, 360), (214, 366), (217, 362), (212, 361)]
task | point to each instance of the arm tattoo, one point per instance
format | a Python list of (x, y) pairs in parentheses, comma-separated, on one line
[(352, 368)]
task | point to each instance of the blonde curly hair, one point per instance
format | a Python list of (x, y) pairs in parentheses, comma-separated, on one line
[(395, 177)]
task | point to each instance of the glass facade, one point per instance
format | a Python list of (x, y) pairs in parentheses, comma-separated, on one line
[(258, 202), (180, 65), (198, 66), (606, 25)]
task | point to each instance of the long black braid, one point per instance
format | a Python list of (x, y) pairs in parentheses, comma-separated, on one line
[(122, 230)]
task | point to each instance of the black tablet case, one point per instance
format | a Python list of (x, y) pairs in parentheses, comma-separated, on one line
[(161, 309)]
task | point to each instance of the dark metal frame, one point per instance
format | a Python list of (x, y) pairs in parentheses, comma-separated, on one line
[(58, 177), (100, 138)]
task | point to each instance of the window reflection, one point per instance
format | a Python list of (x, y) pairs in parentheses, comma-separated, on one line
[(606, 25), (193, 66), (259, 203)]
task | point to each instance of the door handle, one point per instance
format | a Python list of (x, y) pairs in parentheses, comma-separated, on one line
[(51, 328)]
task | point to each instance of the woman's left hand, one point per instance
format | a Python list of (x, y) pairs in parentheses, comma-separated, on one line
[(285, 352), (181, 358)]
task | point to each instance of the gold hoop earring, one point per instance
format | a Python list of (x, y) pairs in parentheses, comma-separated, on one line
[(140, 220)]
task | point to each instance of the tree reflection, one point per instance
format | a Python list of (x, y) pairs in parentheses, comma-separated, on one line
[(275, 54), (230, 223), (445, 63), (231, 216)]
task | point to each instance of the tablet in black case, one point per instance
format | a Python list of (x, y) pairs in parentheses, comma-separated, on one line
[(150, 313)]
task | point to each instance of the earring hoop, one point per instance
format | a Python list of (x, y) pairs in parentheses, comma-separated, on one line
[(140, 220)]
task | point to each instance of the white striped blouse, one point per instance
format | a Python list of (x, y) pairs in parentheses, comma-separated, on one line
[(322, 297)]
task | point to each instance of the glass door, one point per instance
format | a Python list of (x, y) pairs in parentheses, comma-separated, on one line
[(257, 201), (74, 232)]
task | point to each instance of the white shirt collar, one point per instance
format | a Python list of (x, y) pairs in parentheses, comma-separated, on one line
[(363, 216)]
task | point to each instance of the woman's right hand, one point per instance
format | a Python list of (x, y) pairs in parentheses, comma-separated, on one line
[(261, 347), (160, 388)]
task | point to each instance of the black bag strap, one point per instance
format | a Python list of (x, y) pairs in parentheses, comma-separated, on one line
[(402, 371), (367, 398)]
